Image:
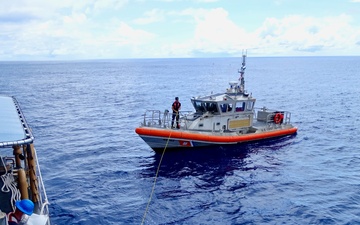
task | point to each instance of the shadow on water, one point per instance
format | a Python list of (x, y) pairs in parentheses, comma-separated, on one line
[(209, 184), (217, 160)]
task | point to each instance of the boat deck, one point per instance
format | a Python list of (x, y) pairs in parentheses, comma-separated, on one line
[(20, 176)]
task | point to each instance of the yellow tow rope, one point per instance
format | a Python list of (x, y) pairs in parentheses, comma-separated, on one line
[(156, 175)]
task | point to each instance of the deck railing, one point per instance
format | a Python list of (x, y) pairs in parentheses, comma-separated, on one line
[(268, 116), (157, 118), (43, 197)]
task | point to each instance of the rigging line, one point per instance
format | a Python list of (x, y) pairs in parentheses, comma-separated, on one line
[(156, 175)]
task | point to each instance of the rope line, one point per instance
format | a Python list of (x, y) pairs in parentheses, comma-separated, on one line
[(156, 175), (10, 186)]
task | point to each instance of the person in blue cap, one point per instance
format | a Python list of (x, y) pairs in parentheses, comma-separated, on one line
[(24, 209)]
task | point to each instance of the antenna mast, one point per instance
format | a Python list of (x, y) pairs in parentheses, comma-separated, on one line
[(242, 72)]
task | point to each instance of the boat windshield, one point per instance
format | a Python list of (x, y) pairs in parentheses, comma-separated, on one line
[(244, 106), (226, 107), (202, 107)]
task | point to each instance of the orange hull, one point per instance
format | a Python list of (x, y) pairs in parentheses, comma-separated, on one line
[(153, 134)]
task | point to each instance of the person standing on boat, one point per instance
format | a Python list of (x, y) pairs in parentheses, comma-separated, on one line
[(24, 209), (176, 106)]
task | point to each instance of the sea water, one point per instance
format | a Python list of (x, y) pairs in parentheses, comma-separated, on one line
[(96, 169)]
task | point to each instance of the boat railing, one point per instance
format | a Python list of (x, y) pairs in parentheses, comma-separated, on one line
[(268, 116), (43, 197), (163, 119), (157, 118)]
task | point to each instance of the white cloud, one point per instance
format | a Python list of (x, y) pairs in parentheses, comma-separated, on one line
[(128, 35), (152, 16), (206, 1), (100, 5), (70, 29), (42, 9), (298, 34), (75, 18), (215, 32), (73, 36)]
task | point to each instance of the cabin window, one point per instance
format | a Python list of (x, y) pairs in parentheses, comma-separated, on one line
[(205, 106), (226, 107), (249, 106), (211, 107), (198, 106), (230, 107), (240, 106)]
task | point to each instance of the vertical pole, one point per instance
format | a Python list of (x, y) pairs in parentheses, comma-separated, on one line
[(17, 153), (23, 185), (32, 173)]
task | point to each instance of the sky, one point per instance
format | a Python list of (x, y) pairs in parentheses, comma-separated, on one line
[(116, 29)]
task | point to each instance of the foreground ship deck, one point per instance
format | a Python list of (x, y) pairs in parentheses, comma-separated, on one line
[(19, 168), (219, 119)]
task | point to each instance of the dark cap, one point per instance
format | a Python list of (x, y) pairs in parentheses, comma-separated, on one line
[(176, 98)]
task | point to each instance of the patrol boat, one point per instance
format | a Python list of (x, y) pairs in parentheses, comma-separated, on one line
[(20, 177), (219, 119)]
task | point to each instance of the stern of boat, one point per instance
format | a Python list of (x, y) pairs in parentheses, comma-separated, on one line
[(267, 119)]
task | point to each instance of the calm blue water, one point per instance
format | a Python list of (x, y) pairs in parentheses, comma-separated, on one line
[(98, 171)]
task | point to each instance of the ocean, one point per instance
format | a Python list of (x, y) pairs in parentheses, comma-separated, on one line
[(97, 170)]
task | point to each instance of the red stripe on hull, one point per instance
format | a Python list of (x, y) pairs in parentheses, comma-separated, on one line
[(212, 138)]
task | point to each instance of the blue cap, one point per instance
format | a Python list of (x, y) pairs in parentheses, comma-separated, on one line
[(26, 206)]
